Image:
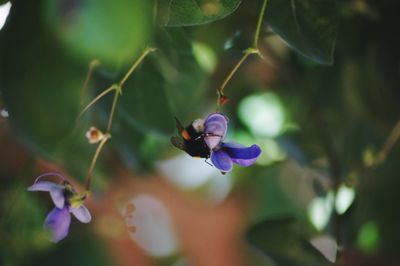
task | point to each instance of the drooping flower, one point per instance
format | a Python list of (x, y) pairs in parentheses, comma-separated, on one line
[(94, 135), (66, 201), (225, 154)]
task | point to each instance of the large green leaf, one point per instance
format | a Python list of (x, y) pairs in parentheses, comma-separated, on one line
[(308, 26), (111, 31), (285, 240), (196, 12), (40, 84)]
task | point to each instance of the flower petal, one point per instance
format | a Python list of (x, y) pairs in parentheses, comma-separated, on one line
[(56, 191), (42, 186), (57, 195), (222, 161), (244, 156), (58, 221), (215, 129), (82, 214)]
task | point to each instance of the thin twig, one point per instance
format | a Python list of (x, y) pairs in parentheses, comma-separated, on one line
[(92, 65), (94, 160), (98, 97), (259, 24)]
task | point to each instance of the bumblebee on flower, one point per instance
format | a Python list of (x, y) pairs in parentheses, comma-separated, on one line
[(205, 139)]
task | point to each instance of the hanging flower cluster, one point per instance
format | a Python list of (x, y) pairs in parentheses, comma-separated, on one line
[(66, 201), (205, 139)]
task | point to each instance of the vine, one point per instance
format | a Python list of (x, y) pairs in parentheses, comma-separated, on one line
[(117, 89), (221, 98)]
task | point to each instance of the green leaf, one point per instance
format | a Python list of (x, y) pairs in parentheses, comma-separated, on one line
[(285, 240), (113, 32), (196, 12), (308, 26), (40, 84)]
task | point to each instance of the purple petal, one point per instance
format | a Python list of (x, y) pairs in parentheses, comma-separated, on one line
[(221, 160), (56, 191), (42, 186), (58, 222), (82, 214), (244, 156), (215, 129), (57, 195)]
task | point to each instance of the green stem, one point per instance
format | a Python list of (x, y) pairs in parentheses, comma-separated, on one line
[(92, 65), (94, 160), (249, 51), (220, 90), (118, 90), (135, 65), (390, 142), (259, 24), (114, 105), (98, 97)]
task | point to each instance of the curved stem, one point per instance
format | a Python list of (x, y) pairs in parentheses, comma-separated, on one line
[(391, 140), (259, 24), (251, 50), (98, 97), (114, 105), (230, 75), (220, 90), (118, 90), (134, 66), (94, 160), (92, 65)]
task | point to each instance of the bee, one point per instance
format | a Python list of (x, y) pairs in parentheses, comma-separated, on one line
[(191, 139)]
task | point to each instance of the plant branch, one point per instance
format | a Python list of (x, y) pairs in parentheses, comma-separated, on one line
[(98, 97), (251, 50), (259, 24), (94, 160), (92, 65), (390, 142), (118, 90), (135, 65)]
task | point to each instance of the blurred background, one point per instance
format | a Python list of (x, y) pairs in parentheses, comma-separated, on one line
[(322, 102)]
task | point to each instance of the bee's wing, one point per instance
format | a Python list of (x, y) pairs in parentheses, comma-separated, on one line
[(178, 142), (179, 126)]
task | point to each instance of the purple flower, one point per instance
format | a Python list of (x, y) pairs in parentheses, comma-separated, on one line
[(225, 154), (66, 201)]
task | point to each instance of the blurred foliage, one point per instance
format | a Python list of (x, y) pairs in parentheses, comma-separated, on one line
[(309, 26), (330, 117), (286, 242), (194, 12)]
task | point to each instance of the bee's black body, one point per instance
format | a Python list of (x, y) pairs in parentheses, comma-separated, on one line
[(191, 140)]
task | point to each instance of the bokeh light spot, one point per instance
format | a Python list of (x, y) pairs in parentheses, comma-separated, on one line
[(4, 12), (368, 237), (344, 199), (263, 114), (4, 113), (205, 56), (150, 226), (320, 209)]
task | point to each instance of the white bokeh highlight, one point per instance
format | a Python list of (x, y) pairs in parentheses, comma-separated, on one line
[(263, 114), (4, 12), (320, 210), (154, 231), (344, 198)]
